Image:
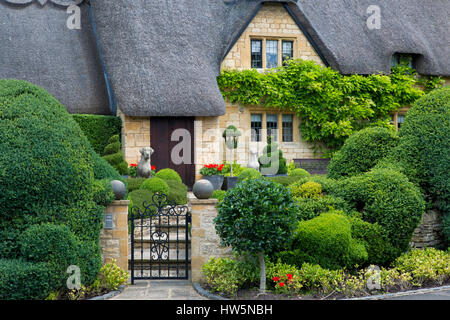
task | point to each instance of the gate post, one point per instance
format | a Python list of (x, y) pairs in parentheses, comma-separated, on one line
[(205, 243), (114, 235)]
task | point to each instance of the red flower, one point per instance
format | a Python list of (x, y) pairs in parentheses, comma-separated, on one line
[(153, 167), (281, 284), (133, 165), (276, 279), (289, 276)]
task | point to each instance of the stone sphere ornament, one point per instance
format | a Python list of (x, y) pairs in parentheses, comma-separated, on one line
[(119, 189), (203, 189)]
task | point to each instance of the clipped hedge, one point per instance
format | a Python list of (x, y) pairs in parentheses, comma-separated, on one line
[(168, 174), (177, 192), (98, 129), (310, 208), (299, 172), (362, 151), (385, 197), (249, 174), (326, 240), (155, 185), (114, 156)]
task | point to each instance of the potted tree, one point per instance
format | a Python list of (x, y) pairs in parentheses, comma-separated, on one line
[(231, 136), (213, 173)]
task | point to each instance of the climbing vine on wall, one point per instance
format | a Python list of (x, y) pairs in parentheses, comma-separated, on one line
[(331, 106)]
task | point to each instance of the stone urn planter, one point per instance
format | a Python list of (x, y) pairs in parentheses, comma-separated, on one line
[(229, 183), (216, 180)]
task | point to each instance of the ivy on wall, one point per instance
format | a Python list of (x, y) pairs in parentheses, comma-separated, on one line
[(331, 106)]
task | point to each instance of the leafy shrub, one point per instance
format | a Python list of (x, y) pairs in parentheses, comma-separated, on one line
[(138, 198), (362, 151), (385, 197), (326, 240), (237, 169), (156, 185), (249, 174), (98, 129), (110, 277), (257, 216), (310, 208), (219, 195), (285, 181), (103, 170), (327, 184), (114, 156), (226, 275), (272, 161), (425, 265), (103, 192), (298, 172), (177, 192), (47, 174), (23, 280), (168, 174), (135, 183), (308, 189), (284, 278), (424, 147)]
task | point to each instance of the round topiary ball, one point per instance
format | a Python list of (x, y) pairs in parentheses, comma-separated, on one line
[(362, 151), (155, 185), (308, 189), (168, 174), (299, 172), (249, 174)]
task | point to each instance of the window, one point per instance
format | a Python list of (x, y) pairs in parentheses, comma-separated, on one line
[(256, 126), (400, 120), (288, 127), (256, 58), (403, 58), (271, 53), (287, 50), (272, 126)]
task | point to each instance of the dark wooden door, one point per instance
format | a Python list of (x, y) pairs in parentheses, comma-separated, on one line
[(168, 153)]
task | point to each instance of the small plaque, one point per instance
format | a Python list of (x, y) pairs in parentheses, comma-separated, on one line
[(108, 222)]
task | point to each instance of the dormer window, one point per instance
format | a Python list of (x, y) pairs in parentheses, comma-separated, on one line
[(403, 58), (270, 53)]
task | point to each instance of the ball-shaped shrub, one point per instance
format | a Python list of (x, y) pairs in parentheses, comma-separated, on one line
[(168, 174), (138, 200), (362, 151), (308, 189), (299, 172), (424, 147), (257, 216), (310, 208), (327, 184), (155, 185), (177, 192), (249, 174), (326, 240), (385, 197)]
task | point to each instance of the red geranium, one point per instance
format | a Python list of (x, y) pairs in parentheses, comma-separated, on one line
[(133, 165), (153, 167)]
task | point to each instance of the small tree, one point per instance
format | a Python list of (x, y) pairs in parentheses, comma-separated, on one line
[(231, 136), (272, 161), (258, 216)]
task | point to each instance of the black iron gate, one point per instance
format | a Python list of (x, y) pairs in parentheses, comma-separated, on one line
[(159, 240)]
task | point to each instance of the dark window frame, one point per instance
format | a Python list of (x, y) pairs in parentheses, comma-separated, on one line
[(291, 53), (272, 128), (256, 130), (256, 58), (287, 128)]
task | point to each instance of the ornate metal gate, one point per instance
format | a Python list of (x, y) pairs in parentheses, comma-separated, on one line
[(159, 240)]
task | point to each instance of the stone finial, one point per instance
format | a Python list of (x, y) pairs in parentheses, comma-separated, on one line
[(144, 167)]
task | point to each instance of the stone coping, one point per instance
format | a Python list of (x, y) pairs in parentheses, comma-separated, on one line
[(206, 294), (109, 295), (120, 203), (401, 294), (210, 201)]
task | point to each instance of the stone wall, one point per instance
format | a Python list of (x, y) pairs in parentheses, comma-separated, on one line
[(429, 232), (135, 135), (272, 22), (205, 243), (114, 235)]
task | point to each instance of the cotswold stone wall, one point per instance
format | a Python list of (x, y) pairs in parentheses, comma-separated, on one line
[(205, 242), (135, 135), (114, 235), (429, 232)]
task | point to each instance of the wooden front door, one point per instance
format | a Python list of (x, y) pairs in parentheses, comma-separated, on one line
[(174, 148)]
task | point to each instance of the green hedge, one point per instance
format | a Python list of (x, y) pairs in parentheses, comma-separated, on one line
[(362, 151), (385, 197), (98, 129), (155, 185), (249, 174), (168, 174)]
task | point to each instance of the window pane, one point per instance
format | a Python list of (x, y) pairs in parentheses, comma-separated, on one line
[(256, 126), (400, 120), (272, 126), (287, 50), (271, 53), (288, 128), (256, 54)]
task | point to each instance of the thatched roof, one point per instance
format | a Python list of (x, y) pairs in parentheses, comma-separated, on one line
[(37, 46)]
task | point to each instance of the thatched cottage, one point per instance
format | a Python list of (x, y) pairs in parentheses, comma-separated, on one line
[(155, 62)]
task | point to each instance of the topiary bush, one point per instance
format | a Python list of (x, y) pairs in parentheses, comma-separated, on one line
[(258, 217), (308, 189), (168, 174), (134, 183), (385, 197), (326, 240), (98, 129), (46, 176), (114, 156), (298, 172), (177, 192), (285, 181), (326, 183), (424, 148), (362, 151), (310, 208), (272, 161), (249, 174), (155, 185), (137, 199), (219, 195)]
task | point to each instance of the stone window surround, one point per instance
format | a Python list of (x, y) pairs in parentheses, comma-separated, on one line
[(265, 112), (278, 37), (394, 115)]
